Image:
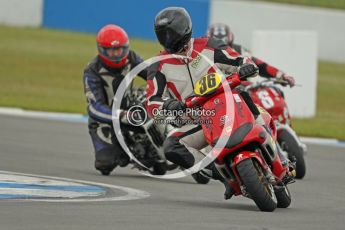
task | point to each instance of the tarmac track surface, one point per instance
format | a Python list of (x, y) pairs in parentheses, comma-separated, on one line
[(63, 149)]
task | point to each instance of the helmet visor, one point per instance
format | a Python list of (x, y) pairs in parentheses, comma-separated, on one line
[(114, 54), (172, 41)]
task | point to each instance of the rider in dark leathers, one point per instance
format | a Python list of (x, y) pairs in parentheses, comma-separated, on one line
[(101, 79)]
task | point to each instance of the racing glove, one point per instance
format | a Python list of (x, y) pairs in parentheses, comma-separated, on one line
[(247, 70), (173, 104), (289, 79)]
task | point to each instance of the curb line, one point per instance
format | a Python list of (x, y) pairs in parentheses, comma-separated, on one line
[(80, 118)]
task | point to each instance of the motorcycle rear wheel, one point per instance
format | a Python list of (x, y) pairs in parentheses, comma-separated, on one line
[(257, 185), (290, 145)]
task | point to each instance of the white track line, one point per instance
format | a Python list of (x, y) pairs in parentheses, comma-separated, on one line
[(132, 194), (44, 115)]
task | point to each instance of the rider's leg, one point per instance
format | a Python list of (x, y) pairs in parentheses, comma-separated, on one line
[(108, 151), (177, 152), (183, 147)]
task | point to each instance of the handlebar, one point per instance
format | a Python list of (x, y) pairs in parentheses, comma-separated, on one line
[(266, 83)]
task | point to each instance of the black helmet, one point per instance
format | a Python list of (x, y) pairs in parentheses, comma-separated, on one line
[(221, 31), (173, 28)]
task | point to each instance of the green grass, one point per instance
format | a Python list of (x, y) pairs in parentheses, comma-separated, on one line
[(330, 116), (42, 70), (335, 4)]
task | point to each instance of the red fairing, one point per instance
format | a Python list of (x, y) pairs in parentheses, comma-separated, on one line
[(277, 168), (242, 115), (252, 136), (273, 102), (213, 130), (247, 155)]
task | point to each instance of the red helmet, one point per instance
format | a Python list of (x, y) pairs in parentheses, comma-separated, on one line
[(113, 46), (221, 31)]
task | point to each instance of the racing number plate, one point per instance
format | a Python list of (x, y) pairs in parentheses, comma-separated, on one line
[(207, 84)]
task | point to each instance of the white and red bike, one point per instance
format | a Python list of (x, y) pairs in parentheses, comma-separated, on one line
[(267, 95)]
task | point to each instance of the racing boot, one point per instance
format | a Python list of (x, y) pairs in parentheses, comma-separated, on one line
[(123, 160), (211, 172), (201, 177), (105, 162)]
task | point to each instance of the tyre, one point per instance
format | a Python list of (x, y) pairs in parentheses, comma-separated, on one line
[(256, 185), (283, 197), (105, 172), (289, 144)]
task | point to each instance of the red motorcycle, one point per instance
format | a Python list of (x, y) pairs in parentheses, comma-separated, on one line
[(248, 159), (270, 97)]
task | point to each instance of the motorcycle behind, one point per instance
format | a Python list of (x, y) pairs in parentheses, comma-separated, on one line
[(266, 94), (144, 141)]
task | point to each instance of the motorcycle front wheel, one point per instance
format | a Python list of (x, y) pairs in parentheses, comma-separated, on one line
[(257, 185), (283, 196)]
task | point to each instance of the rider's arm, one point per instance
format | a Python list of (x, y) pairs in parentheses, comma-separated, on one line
[(267, 70), (227, 58), (97, 107), (136, 60), (156, 86)]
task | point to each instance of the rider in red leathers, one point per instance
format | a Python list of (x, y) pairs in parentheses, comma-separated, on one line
[(223, 32), (171, 80)]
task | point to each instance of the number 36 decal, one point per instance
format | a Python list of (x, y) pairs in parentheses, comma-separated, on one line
[(207, 84)]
